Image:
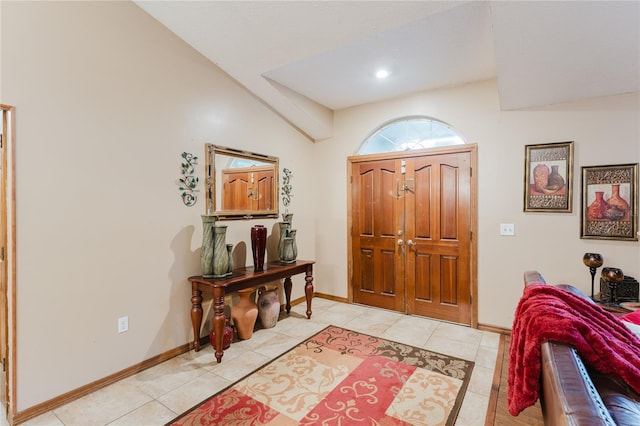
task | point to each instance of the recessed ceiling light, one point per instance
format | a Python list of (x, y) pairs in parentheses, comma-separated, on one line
[(382, 74)]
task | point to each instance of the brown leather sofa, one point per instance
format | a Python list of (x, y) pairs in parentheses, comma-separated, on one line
[(573, 395)]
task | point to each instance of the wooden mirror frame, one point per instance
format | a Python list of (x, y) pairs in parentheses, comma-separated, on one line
[(266, 199)]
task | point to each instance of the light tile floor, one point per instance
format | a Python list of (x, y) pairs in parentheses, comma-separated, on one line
[(157, 395)]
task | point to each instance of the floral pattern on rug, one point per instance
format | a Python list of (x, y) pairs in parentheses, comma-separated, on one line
[(341, 377)]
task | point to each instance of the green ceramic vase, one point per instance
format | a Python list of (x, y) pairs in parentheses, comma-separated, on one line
[(206, 255), (220, 252)]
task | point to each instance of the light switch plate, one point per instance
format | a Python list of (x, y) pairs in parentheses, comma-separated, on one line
[(123, 324), (507, 229)]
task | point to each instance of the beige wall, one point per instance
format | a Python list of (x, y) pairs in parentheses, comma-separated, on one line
[(106, 100), (605, 131)]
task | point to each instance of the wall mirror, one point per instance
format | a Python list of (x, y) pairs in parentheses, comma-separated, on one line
[(240, 184)]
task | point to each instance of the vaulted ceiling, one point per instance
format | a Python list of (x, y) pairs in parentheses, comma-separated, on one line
[(306, 59)]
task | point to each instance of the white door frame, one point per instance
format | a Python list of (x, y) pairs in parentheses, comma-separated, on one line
[(8, 254)]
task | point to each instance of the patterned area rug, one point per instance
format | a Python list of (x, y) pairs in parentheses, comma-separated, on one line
[(340, 377)]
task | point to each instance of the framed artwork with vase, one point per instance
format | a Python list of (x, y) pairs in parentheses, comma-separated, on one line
[(610, 202), (548, 177)]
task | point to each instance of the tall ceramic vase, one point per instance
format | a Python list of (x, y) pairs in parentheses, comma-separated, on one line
[(290, 249), (230, 254), (268, 306), (206, 255), (294, 248), (220, 253), (244, 314), (258, 246), (284, 228)]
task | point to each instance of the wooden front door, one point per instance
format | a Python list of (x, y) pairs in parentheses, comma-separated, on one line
[(376, 211), (412, 217)]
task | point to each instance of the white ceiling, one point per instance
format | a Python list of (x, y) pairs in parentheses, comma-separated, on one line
[(306, 59)]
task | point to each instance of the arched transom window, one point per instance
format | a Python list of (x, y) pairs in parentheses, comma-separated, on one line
[(409, 133)]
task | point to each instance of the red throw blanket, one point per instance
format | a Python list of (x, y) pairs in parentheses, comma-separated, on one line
[(546, 312)]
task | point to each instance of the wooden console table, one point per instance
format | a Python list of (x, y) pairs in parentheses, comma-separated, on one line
[(240, 279)]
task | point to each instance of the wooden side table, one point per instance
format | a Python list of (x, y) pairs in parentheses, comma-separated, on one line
[(243, 278)]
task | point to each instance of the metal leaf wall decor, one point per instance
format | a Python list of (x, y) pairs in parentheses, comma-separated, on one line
[(287, 188), (188, 182)]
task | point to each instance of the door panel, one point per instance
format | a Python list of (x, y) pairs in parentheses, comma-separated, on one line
[(388, 272), (449, 280), (377, 266), (443, 289), (235, 189), (263, 200), (422, 201), (448, 202), (366, 270), (422, 276)]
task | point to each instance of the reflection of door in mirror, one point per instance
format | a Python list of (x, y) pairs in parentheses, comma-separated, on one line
[(249, 188), (240, 184)]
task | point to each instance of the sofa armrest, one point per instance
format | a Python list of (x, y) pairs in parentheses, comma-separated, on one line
[(533, 277), (568, 394)]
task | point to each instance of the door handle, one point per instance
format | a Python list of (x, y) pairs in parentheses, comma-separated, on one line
[(411, 243), (400, 242)]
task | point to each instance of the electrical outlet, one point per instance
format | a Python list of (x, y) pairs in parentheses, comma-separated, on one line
[(507, 229), (123, 324)]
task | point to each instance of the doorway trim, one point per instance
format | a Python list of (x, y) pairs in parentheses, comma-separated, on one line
[(8, 243), (473, 255)]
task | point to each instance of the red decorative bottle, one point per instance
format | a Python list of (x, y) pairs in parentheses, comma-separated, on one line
[(258, 246), (227, 336)]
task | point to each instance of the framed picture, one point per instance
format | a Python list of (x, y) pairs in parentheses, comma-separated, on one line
[(610, 202), (548, 177)]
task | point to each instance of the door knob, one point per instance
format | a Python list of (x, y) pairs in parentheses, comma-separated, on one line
[(400, 242), (411, 243)]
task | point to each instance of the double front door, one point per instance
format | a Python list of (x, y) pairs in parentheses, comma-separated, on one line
[(411, 241)]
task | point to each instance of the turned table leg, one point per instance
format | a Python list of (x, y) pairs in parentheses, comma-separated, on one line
[(219, 321), (308, 288), (196, 314), (287, 293)]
